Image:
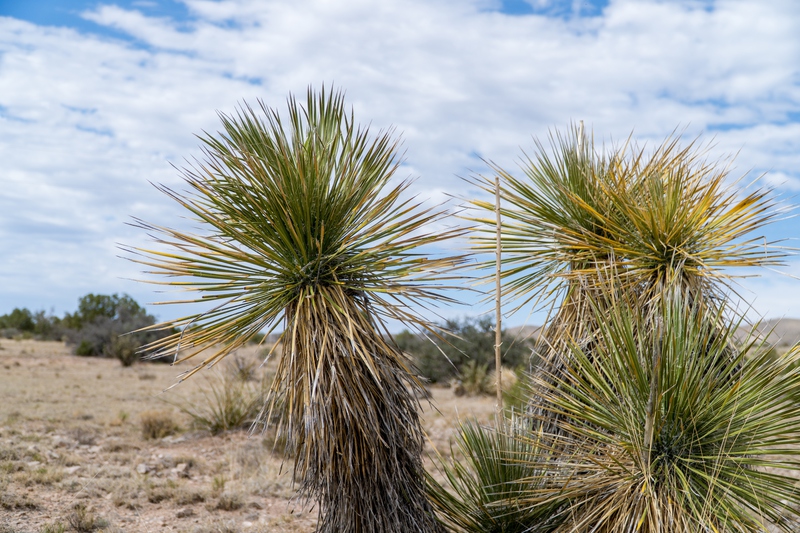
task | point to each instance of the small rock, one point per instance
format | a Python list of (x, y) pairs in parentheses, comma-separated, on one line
[(247, 524), (62, 442), (33, 464), (94, 449), (72, 469), (184, 513), (142, 468), (182, 470)]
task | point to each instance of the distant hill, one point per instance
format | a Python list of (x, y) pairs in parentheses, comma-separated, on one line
[(782, 332), (524, 332)]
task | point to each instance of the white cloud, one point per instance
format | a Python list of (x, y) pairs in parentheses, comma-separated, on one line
[(86, 121)]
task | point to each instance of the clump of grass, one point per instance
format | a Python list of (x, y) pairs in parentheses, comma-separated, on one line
[(159, 492), (9, 467), (17, 502), (84, 435), (218, 526), (126, 494), (83, 520), (217, 485), (157, 424), (243, 369), (44, 476), (228, 402), (54, 527), (228, 501), (185, 496)]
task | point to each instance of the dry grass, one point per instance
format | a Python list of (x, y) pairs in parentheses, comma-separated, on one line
[(68, 438), (157, 424)]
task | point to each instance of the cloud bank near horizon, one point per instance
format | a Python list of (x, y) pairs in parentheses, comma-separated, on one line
[(90, 117)]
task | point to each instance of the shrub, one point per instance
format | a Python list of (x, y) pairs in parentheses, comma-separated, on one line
[(123, 348), (54, 527), (23, 323), (18, 319), (158, 424), (83, 520), (228, 402), (108, 326), (228, 501), (475, 379), (85, 348), (244, 369)]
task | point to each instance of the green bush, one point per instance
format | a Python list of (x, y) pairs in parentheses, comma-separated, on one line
[(106, 326), (19, 319), (471, 342), (475, 379)]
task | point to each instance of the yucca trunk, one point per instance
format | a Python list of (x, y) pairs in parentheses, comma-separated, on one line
[(353, 422)]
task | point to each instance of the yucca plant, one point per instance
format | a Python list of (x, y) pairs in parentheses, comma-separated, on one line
[(658, 218), (716, 448), (303, 228), (652, 223), (644, 406), (491, 474)]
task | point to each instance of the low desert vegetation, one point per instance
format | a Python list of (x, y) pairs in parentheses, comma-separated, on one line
[(232, 398), (91, 450), (102, 326), (157, 424)]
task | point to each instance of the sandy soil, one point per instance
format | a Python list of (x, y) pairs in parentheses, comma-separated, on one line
[(73, 455)]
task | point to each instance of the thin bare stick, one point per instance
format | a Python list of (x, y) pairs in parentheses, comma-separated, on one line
[(498, 314)]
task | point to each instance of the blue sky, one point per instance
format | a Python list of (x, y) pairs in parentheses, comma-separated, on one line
[(100, 98)]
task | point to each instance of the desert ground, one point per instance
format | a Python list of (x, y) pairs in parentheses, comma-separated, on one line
[(75, 456)]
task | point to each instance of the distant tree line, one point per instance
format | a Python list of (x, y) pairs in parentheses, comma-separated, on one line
[(102, 326)]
